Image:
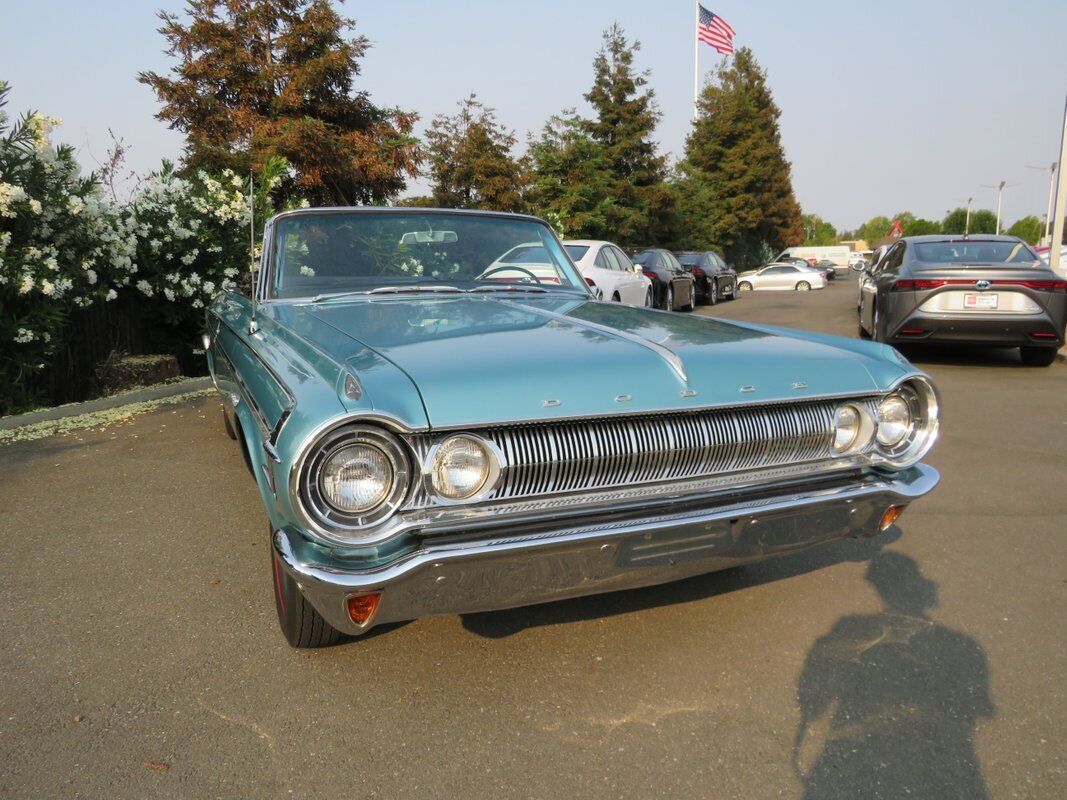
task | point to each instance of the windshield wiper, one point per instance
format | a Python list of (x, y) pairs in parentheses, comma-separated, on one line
[(391, 290), (506, 287)]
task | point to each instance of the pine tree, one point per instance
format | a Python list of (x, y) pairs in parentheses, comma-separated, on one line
[(262, 78), (602, 176), (735, 190), (470, 160), (569, 177)]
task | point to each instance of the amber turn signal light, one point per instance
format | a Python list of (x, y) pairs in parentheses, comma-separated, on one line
[(891, 515), (362, 608)]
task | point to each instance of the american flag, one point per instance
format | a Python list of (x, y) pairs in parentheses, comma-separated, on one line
[(716, 31)]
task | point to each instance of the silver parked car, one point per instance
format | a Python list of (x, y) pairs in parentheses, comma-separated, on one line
[(782, 278), (985, 290)]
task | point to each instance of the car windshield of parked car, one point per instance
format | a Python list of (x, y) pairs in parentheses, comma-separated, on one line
[(645, 259), (975, 252), (576, 251), (690, 259), (321, 254)]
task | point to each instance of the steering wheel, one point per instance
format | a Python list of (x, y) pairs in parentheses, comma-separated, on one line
[(485, 275)]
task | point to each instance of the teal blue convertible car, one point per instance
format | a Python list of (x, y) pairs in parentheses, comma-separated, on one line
[(441, 419)]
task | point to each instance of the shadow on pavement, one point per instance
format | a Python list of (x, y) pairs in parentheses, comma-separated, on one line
[(889, 701), (499, 624)]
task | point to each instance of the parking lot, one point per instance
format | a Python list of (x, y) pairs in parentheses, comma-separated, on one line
[(142, 658)]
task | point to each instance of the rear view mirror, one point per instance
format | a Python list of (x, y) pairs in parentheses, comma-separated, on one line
[(429, 237)]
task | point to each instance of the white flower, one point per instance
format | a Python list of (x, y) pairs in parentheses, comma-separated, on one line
[(75, 204), (26, 285), (90, 275), (10, 193), (35, 206), (209, 287), (145, 287), (111, 295), (47, 287), (24, 336), (169, 293), (306, 270)]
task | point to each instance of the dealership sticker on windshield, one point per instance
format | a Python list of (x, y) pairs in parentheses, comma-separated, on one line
[(980, 300)]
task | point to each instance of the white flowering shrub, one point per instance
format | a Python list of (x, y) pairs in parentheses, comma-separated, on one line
[(61, 246), (164, 255)]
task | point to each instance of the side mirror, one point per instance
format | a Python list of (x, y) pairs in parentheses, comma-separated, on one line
[(859, 266)]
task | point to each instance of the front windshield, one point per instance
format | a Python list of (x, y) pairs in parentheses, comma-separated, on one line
[(975, 252), (340, 252)]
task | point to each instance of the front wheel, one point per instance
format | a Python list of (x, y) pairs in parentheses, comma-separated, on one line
[(713, 292), (744, 286), (668, 300), (648, 298), (1038, 356), (301, 624), (803, 286)]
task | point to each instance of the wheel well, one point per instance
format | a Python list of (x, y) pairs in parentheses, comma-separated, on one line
[(615, 297)]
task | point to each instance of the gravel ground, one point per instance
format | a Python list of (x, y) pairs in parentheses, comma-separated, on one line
[(141, 657)]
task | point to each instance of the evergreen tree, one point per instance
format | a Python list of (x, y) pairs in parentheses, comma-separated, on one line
[(602, 176), (262, 78), (736, 190), (470, 160), (569, 178)]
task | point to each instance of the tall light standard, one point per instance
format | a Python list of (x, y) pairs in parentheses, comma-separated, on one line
[(1051, 194), (967, 227), (1000, 196)]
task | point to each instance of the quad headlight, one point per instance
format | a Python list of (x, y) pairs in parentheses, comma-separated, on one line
[(462, 467), (908, 422), (353, 478), (853, 429), (898, 430)]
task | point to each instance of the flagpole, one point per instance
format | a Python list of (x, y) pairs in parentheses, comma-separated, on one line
[(696, 57)]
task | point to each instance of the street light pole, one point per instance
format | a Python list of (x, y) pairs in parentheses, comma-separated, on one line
[(967, 227), (1000, 187), (1051, 194), (1061, 202)]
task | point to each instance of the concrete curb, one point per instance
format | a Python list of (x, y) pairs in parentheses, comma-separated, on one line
[(105, 403)]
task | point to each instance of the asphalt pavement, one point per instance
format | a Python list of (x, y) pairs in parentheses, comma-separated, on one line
[(141, 657)]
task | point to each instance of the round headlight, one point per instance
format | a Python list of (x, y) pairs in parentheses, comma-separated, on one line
[(356, 478), (847, 424), (462, 467), (351, 479), (894, 420)]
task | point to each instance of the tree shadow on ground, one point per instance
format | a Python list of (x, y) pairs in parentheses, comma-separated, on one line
[(889, 701), (500, 624)]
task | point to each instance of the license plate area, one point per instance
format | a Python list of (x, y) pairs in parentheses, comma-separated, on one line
[(980, 302)]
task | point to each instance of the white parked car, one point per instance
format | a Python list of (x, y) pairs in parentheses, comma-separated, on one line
[(613, 275), (782, 278)]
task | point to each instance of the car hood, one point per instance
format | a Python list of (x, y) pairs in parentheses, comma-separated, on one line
[(486, 360)]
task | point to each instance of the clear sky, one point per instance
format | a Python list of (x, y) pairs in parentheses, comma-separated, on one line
[(885, 106)]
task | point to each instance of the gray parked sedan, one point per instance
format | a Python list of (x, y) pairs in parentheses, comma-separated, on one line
[(985, 290)]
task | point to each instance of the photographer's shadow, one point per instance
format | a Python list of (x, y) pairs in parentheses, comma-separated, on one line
[(889, 701)]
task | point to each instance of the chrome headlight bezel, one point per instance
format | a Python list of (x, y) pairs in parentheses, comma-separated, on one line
[(494, 460), (924, 404), (325, 516)]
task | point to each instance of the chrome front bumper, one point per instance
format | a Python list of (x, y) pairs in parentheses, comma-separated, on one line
[(588, 557)]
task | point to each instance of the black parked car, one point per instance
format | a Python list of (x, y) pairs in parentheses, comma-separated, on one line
[(830, 267), (715, 280), (673, 288), (985, 290)]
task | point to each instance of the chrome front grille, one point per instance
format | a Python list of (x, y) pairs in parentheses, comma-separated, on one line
[(591, 455)]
